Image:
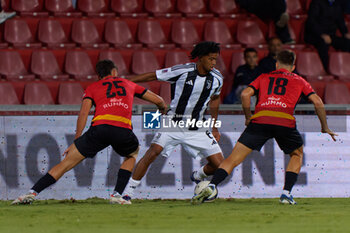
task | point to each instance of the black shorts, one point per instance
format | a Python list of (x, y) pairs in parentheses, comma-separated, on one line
[(122, 140), (256, 135)]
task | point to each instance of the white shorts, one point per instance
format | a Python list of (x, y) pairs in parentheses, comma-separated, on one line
[(197, 144)]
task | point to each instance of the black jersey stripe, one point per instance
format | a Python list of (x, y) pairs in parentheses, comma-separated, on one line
[(217, 73), (172, 90), (203, 97), (185, 95), (174, 79)]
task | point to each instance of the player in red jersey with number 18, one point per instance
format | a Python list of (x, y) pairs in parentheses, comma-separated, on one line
[(278, 93), (112, 97)]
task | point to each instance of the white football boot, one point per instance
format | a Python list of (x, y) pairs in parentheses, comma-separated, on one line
[(116, 198), (24, 199)]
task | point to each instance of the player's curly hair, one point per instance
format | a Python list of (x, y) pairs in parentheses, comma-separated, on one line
[(105, 67), (204, 48)]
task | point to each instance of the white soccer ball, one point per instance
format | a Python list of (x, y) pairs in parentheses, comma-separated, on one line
[(202, 185)]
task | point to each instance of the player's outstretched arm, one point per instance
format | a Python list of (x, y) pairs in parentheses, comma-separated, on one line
[(83, 115), (214, 112), (144, 77), (155, 99), (245, 97), (321, 113)]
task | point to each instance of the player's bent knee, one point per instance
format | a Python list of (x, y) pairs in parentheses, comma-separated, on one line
[(154, 151), (134, 154)]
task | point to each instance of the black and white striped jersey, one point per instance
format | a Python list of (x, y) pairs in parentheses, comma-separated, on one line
[(190, 91)]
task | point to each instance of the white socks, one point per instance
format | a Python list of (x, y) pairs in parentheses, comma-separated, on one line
[(130, 187), (200, 175), (286, 192)]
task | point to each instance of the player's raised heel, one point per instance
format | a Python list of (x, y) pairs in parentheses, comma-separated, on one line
[(284, 199), (202, 196), (118, 199), (24, 199)]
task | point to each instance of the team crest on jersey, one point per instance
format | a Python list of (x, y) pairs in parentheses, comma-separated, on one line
[(209, 82), (190, 82)]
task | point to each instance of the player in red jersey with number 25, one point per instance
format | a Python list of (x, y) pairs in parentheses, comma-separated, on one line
[(112, 97), (278, 93)]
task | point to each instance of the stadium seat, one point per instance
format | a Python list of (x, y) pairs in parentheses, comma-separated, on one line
[(37, 93), (193, 8), (237, 60), (12, 67), (249, 32), (184, 33), (151, 34), (220, 65), (227, 86), (18, 34), (70, 93), (44, 65), (94, 8), (307, 4), (143, 62), (118, 60), (84, 33), (8, 94), (309, 64), (294, 7), (337, 93), (118, 34), (319, 83), (223, 8), (61, 8), (51, 33), (153, 86), (339, 65), (173, 58), (218, 31), (161, 8), (28, 7), (128, 8), (165, 92), (79, 66)]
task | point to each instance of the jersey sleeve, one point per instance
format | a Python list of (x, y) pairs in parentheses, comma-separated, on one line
[(307, 89), (88, 93), (172, 74), (256, 84), (220, 80), (139, 91)]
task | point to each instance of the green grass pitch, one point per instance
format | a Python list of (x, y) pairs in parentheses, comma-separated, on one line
[(235, 215)]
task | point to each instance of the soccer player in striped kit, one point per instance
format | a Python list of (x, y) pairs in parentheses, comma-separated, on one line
[(194, 86)]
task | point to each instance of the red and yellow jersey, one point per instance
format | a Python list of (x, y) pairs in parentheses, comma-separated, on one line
[(278, 93), (113, 98)]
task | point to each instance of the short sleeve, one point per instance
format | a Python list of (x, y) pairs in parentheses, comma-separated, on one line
[(172, 74), (307, 89), (88, 93), (139, 91), (256, 84), (218, 89)]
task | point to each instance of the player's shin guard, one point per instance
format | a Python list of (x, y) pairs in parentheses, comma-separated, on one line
[(43, 183), (122, 181), (130, 188), (219, 176), (290, 180)]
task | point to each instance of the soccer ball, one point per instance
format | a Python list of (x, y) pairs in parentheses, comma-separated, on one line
[(202, 185)]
